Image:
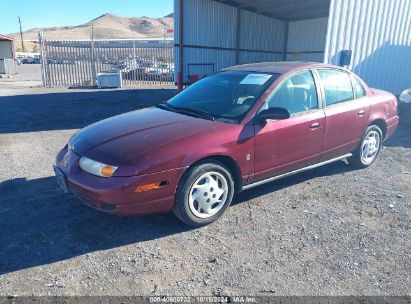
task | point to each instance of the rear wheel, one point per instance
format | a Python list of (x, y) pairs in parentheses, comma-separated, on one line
[(204, 193), (368, 149)]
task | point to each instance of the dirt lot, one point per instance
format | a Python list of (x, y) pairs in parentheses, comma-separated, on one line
[(331, 231)]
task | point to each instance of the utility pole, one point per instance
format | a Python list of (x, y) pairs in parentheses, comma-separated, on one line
[(164, 45), (21, 36)]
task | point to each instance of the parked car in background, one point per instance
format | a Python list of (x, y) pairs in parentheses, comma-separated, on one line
[(160, 71), (149, 71), (242, 127), (28, 60), (405, 106), (134, 74), (19, 59)]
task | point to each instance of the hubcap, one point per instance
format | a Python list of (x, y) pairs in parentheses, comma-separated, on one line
[(370, 147), (208, 194)]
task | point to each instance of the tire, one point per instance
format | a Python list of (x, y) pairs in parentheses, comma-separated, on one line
[(368, 149), (203, 194)]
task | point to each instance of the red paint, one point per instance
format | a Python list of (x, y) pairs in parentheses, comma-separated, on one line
[(194, 78), (153, 145), (4, 37), (288, 144), (180, 81)]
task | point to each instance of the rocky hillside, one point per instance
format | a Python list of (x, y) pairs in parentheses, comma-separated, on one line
[(107, 26)]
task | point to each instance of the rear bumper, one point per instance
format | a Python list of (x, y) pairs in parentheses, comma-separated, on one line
[(117, 195), (392, 125)]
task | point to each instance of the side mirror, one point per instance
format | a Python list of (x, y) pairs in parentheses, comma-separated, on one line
[(273, 114)]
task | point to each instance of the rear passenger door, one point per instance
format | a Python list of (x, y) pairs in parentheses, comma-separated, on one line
[(289, 144), (346, 108)]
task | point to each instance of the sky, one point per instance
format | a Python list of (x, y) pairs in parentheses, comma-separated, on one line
[(48, 13)]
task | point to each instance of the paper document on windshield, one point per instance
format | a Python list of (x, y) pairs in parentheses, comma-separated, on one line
[(258, 79)]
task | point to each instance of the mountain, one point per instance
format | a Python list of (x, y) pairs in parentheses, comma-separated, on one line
[(107, 26)]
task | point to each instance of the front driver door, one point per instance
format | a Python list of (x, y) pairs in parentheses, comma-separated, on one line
[(289, 144)]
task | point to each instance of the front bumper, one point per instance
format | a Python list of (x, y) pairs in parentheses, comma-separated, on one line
[(117, 195)]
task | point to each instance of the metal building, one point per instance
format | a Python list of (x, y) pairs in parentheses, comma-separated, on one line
[(370, 37), (7, 56)]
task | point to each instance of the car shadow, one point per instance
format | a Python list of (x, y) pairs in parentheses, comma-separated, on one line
[(72, 109), (41, 225)]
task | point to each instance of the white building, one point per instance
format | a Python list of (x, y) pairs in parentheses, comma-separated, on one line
[(370, 37), (7, 56)]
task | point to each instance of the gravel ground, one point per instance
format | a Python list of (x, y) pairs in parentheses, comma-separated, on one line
[(29, 76), (331, 231)]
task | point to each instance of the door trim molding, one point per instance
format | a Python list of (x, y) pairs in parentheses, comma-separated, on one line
[(262, 182)]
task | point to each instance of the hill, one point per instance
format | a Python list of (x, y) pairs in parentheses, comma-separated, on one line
[(107, 26)]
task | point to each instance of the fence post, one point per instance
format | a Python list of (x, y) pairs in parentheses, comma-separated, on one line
[(43, 57), (93, 60)]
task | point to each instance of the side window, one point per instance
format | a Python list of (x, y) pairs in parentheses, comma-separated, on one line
[(358, 88), (337, 86), (297, 94)]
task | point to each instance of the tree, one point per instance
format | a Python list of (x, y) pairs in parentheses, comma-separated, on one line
[(36, 49)]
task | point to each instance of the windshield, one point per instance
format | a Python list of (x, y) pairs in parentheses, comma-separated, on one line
[(225, 96)]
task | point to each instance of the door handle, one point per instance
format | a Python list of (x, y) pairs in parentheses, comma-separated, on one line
[(315, 125), (361, 113)]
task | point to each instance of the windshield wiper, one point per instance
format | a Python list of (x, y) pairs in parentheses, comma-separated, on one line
[(166, 106), (189, 111), (196, 112)]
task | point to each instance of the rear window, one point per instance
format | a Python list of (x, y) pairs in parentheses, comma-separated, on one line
[(337, 86), (359, 91)]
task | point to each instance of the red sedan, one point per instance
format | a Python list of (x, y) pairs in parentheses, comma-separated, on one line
[(242, 127)]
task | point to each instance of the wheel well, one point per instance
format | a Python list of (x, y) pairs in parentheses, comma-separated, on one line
[(231, 165), (381, 124)]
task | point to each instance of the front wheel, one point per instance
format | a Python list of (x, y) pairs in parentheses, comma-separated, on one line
[(204, 193), (368, 149)]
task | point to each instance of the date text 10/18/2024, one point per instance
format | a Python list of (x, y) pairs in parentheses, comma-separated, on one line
[(202, 299)]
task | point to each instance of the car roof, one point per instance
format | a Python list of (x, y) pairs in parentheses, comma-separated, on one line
[(279, 67)]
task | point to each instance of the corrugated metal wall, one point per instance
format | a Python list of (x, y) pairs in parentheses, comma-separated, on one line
[(213, 24), (210, 24), (271, 37), (305, 36), (204, 17), (379, 34)]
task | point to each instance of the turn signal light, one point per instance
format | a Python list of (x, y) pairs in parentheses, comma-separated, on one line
[(152, 186), (107, 171), (148, 187)]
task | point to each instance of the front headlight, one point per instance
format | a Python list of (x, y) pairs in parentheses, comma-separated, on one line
[(96, 168)]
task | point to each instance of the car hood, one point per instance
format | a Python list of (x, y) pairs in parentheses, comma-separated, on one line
[(132, 137)]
